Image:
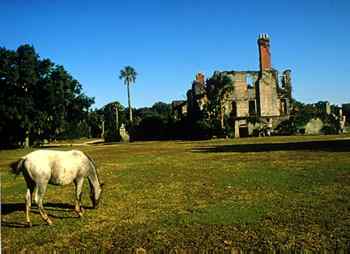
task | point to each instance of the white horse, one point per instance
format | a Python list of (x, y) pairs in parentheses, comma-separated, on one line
[(44, 167)]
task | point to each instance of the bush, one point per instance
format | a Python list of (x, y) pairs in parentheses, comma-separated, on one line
[(201, 129), (111, 136), (74, 131), (328, 130), (152, 127), (286, 127)]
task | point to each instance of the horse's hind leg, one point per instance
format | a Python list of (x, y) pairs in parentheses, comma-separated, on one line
[(41, 189), (78, 193), (29, 195), (28, 205)]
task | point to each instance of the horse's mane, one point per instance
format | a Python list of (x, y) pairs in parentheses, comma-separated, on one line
[(90, 159), (93, 163)]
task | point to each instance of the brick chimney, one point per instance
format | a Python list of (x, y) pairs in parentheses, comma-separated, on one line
[(264, 52), (200, 78)]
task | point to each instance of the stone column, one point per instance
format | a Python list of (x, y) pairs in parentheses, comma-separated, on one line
[(236, 129)]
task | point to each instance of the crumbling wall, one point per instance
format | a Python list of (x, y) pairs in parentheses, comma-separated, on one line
[(267, 97), (242, 92)]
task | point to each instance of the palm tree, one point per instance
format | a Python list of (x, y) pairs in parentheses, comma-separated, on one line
[(129, 76)]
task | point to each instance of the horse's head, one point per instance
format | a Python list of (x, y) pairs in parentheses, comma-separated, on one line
[(95, 195)]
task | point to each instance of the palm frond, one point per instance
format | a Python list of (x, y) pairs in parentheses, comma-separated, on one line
[(128, 74)]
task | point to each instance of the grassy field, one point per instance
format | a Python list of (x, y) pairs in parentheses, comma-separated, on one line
[(276, 193)]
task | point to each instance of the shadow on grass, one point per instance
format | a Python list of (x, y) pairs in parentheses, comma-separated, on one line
[(20, 207), (12, 207), (49, 207), (15, 207), (328, 146), (11, 224)]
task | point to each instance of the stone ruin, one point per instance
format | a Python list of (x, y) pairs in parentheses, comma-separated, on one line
[(254, 101)]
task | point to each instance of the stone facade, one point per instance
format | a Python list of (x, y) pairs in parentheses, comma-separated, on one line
[(244, 95), (179, 109)]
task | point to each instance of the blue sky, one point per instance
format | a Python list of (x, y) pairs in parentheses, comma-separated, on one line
[(169, 41)]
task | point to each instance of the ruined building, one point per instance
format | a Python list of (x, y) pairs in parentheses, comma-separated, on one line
[(247, 100)]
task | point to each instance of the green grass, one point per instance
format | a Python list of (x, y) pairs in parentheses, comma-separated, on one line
[(254, 193)]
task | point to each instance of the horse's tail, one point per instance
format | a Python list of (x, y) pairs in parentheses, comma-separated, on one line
[(17, 166)]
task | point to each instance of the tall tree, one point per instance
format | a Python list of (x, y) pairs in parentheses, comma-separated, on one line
[(128, 74), (38, 99)]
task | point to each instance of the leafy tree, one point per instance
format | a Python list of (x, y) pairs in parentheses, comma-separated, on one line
[(217, 88), (38, 99), (163, 109), (10, 116), (109, 117), (152, 127), (95, 123), (346, 111), (152, 123), (128, 74), (18, 82)]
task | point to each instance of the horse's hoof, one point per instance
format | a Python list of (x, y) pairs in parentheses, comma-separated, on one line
[(49, 222), (29, 224), (79, 213)]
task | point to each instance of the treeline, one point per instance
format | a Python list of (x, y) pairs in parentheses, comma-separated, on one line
[(149, 123), (158, 123), (302, 113), (39, 100)]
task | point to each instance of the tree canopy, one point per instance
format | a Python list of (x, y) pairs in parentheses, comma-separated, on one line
[(38, 98)]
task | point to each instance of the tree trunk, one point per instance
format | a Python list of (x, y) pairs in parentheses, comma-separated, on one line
[(103, 129), (26, 140), (117, 122), (222, 118), (129, 103)]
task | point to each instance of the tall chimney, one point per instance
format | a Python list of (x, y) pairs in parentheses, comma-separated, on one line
[(264, 52)]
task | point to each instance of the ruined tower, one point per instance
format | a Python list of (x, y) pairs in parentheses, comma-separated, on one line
[(264, 52), (267, 96), (252, 102)]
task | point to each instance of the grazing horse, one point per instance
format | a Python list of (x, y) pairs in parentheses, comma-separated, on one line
[(44, 167)]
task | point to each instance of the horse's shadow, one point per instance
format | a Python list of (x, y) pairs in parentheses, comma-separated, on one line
[(53, 209)]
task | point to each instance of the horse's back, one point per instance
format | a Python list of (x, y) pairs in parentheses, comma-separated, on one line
[(56, 167)]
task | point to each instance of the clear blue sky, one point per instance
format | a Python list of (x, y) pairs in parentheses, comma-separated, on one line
[(168, 41)]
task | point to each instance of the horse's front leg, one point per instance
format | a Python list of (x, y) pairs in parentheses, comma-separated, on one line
[(78, 194), (41, 189)]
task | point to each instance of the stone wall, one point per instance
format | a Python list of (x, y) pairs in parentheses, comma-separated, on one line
[(314, 126), (268, 100)]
